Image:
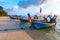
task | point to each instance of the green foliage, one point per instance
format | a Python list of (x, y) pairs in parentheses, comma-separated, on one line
[(1, 8), (2, 12)]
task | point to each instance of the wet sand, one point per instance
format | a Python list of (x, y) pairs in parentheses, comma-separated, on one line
[(28, 34), (41, 34), (15, 35)]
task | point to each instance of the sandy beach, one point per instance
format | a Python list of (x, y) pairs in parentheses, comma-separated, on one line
[(32, 34)]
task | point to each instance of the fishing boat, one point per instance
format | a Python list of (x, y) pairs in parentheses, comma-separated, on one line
[(19, 18), (38, 25), (13, 17), (24, 20)]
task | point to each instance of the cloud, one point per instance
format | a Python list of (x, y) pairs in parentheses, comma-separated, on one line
[(23, 11), (27, 3), (56, 6), (15, 8), (55, 1), (8, 10), (15, 11)]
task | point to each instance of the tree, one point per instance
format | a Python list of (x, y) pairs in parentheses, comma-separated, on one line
[(2, 12), (1, 8)]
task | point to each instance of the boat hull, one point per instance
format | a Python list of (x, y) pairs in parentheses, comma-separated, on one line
[(37, 25), (24, 21)]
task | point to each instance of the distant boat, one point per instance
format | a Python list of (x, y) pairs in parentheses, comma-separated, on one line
[(19, 18), (13, 17), (38, 25)]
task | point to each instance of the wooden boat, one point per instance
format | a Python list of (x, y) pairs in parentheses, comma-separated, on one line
[(18, 18), (38, 25), (24, 20), (12, 17)]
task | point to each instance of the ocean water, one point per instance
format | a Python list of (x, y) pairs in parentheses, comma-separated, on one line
[(57, 28), (55, 31)]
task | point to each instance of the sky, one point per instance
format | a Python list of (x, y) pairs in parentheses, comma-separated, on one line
[(9, 3), (21, 3), (22, 7), (56, 7)]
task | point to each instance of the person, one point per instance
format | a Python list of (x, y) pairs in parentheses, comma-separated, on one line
[(45, 18), (53, 20), (35, 17)]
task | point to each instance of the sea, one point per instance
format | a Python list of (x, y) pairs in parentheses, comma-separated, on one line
[(55, 31)]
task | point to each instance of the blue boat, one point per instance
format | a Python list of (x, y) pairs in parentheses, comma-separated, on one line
[(38, 25)]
